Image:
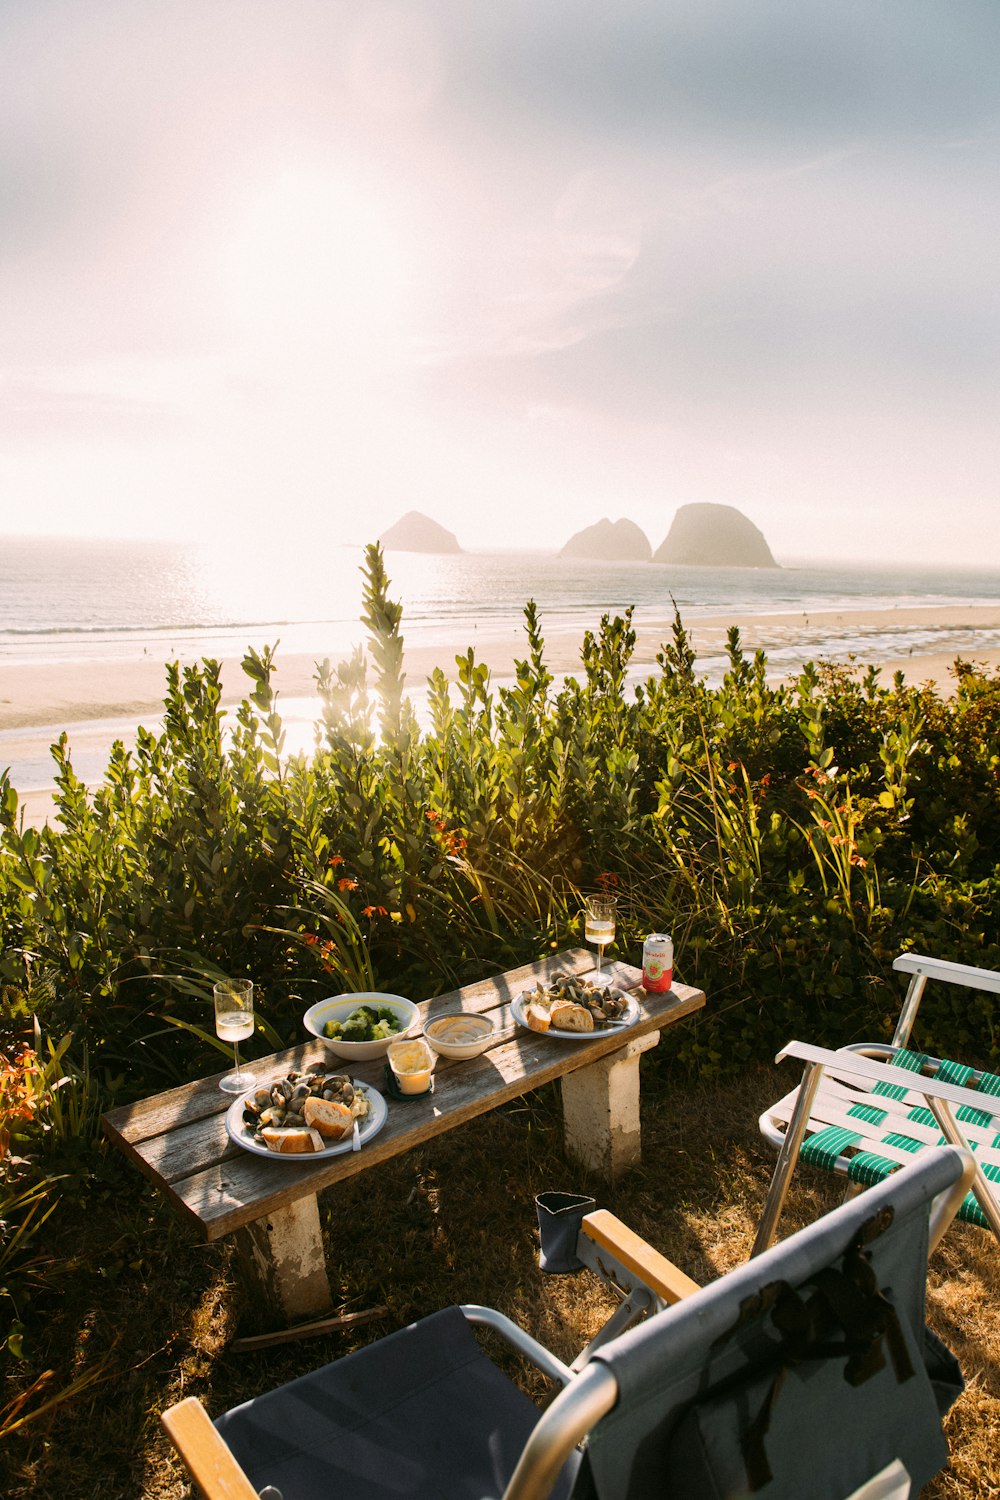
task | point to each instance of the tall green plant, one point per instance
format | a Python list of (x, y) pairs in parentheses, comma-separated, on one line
[(792, 835)]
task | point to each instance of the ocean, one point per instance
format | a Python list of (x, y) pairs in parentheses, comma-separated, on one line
[(82, 602)]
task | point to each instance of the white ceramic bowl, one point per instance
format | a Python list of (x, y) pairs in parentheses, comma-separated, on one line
[(481, 1025), (339, 1008)]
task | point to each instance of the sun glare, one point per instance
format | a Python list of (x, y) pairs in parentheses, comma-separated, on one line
[(314, 262)]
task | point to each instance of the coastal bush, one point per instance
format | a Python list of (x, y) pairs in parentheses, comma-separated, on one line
[(49, 1126), (794, 837)]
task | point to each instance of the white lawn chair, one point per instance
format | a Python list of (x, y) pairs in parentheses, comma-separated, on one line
[(865, 1110)]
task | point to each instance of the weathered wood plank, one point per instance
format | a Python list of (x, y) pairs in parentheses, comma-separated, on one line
[(203, 1098), (200, 1100), (178, 1139), (241, 1187)]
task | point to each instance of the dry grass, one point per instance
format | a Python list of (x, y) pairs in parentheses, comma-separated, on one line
[(452, 1223)]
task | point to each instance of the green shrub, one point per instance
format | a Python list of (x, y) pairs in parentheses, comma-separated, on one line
[(794, 838)]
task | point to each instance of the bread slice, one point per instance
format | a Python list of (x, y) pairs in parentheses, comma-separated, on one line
[(537, 1016), (333, 1121), (566, 1015), (291, 1142)]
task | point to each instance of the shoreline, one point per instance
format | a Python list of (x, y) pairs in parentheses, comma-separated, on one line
[(47, 694), (97, 702)]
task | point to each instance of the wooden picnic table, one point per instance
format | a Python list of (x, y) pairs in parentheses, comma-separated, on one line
[(179, 1139)]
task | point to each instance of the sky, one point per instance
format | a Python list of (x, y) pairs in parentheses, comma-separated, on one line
[(294, 267)]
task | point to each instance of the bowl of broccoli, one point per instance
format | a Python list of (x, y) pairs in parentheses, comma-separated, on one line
[(360, 1026)]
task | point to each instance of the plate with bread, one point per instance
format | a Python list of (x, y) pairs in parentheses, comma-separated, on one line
[(306, 1116), (575, 1009)]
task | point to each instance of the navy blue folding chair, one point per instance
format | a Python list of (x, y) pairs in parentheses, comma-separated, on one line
[(807, 1371)]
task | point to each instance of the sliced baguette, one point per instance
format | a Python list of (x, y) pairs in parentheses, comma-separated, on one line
[(332, 1120), (536, 1016), (566, 1015), (291, 1142)]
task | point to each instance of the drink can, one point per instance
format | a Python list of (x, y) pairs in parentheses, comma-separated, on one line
[(657, 963)]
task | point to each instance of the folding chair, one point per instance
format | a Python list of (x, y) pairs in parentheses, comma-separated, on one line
[(865, 1110), (711, 1396)]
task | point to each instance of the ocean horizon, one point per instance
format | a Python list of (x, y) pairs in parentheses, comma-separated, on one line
[(97, 597)]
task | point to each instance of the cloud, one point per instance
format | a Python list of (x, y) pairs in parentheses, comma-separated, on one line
[(411, 253)]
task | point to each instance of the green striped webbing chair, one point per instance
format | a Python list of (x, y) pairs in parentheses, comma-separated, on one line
[(866, 1110)]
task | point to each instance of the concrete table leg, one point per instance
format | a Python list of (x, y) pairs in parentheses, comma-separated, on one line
[(283, 1255), (601, 1110)]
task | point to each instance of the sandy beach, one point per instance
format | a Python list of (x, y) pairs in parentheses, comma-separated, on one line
[(58, 694), (38, 701)]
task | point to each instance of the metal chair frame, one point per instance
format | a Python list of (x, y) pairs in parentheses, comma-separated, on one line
[(647, 1284), (863, 1065)]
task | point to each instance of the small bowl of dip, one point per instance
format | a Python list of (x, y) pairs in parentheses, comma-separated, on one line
[(459, 1035), (412, 1063)]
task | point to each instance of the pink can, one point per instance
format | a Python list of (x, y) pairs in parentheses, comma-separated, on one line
[(657, 963)]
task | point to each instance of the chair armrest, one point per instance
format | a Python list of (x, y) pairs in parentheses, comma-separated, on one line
[(951, 973), (648, 1265), (854, 1064), (543, 1359), (209, 1462)]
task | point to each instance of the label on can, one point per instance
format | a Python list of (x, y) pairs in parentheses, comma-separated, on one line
[(657, 963)]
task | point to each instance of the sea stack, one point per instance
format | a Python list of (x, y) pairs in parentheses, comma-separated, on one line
[(714, 536), (610, 541), (416, 532)]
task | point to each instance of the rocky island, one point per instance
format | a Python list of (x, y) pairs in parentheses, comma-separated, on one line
[(714, 536), (610, 541), (416, 532)]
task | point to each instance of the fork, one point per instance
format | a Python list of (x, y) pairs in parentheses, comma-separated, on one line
[(356, 1143)]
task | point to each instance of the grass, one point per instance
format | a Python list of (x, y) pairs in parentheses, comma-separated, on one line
[(153, 1312)]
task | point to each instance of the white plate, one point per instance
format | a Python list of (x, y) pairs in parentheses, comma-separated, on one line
[(520, 1005), (372, 1123)]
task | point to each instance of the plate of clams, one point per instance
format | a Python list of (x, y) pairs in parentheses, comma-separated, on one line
[(306, 1116), (574, 1008)]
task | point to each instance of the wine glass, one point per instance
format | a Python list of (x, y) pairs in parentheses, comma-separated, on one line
[(234, 1023), (599, 924)]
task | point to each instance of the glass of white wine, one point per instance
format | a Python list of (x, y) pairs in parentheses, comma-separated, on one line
[(599, 924), (234, 1023)]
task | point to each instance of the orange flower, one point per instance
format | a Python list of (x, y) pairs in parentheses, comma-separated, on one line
[(335, 860), (311, 939), (347, 884), (15, 1103)]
